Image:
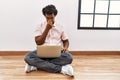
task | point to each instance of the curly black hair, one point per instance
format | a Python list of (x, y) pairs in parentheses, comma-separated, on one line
[(49, 9)]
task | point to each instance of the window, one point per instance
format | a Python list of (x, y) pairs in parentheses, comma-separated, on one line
[(99, 14)]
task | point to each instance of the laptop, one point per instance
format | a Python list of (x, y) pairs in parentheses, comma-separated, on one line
[(48, 51)]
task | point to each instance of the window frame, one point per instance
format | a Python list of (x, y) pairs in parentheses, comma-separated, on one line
[(93, 27)]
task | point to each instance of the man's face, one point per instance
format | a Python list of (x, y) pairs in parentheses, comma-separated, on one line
[(50, 17)]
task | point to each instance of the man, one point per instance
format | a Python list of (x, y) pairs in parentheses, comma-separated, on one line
[(50, 33)]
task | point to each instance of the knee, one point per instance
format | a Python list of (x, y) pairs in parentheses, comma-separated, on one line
[(26, 59), (29, 60), (70, 58), (29, 55)]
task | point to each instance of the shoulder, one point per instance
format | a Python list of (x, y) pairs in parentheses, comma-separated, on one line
[(41, 25)]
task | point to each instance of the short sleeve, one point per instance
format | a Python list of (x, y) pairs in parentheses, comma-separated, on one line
[(38, 30), (64, 35)]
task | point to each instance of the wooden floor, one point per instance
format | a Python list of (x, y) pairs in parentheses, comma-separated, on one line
[(86, 67)]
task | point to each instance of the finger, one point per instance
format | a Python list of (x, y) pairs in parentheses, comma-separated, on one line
[(63, 50)]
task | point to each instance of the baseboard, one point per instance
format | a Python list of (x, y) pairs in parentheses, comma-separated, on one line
[(2, 53), (95, 52)]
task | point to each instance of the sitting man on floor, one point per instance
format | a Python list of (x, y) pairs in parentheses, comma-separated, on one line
[(47, 33)]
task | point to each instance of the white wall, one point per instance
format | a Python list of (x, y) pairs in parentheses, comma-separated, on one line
[(18, 19)]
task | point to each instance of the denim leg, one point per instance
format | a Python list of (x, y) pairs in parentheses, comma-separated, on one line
[(32, 59), (64, 59)]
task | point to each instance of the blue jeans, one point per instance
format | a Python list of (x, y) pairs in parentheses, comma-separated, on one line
[(53, 65)]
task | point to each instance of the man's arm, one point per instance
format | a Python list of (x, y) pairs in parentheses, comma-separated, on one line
[(41, 39), (65, 45)]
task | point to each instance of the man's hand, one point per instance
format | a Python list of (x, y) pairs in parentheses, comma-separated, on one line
[(49, 24), (65, 45), (65, 50)]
